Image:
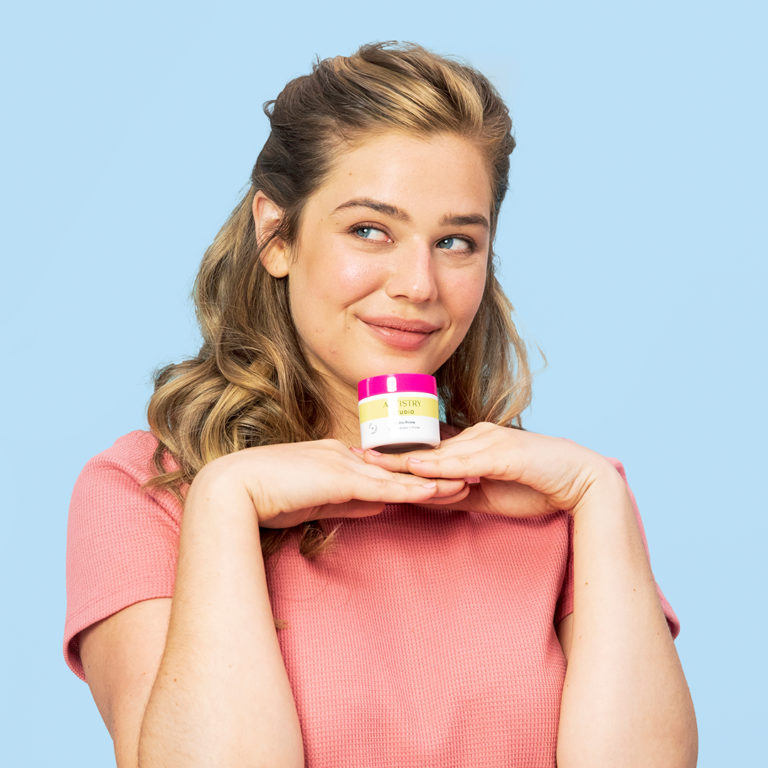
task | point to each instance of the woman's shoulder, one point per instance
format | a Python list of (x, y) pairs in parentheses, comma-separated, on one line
[(122, 537), (133, 453), (124, 469)]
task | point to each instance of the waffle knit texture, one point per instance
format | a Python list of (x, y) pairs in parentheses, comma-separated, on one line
[(423, 638)]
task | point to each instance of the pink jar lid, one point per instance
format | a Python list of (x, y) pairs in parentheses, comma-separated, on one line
[(396, 382)]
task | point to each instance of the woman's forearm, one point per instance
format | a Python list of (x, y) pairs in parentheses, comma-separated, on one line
[(625, 699), (221, 696)]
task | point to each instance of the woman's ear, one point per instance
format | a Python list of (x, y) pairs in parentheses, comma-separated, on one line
[(267, 217)]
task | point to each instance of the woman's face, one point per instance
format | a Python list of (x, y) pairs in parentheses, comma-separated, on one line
[(389, 265)]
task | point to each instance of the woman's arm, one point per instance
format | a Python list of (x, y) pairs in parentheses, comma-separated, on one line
[(120, 657), (200, 680), (221, 696), (625, 699)]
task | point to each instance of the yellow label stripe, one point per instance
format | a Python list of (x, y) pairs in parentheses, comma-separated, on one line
[(407, 405)]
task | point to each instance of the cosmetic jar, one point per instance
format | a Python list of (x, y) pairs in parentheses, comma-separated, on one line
[(399, 412)]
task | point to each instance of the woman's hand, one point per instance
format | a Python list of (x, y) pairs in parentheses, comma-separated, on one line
[(292, 483), (508, 471)]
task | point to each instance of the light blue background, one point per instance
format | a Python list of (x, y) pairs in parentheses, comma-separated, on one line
[(633, 242)]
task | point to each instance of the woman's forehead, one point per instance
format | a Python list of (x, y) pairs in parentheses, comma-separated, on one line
[(441, 174)]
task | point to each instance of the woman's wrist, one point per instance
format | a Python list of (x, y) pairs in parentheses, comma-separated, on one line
[(606, 491), (221, 485)]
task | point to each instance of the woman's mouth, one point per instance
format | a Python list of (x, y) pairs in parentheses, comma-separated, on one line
[(399, 332)]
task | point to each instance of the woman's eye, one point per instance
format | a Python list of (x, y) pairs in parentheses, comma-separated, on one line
[(456, 244), (371, 233)]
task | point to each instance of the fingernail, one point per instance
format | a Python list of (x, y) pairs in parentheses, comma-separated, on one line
[(429, 485), (372, 452), (471, 480), (411, 460), (355, 449)]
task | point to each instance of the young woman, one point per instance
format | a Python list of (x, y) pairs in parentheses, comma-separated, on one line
[(488, 602)]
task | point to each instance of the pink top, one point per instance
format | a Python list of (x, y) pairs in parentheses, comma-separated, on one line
[(425, 638)]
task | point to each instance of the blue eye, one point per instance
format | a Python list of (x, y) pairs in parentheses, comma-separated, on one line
[(455, 244), (366, 232)]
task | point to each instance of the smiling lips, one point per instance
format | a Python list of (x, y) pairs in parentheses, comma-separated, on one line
[(400, 333)]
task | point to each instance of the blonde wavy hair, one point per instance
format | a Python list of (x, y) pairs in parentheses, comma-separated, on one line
[(250, 384)]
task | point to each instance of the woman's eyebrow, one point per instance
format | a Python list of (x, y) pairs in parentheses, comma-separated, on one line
[(376, 205), (398, 213), (466, 219)]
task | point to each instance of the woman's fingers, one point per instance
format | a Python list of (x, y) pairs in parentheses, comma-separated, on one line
[(355, 479), (398, 471), (486, 461), (454, 501), (368, 496), (484, 450), (497, 497), (450, 463), (395, 487)]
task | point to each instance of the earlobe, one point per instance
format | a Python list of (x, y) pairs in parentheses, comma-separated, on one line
[(267, 217)]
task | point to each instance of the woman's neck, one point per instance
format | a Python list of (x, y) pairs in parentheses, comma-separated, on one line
[(345, 418)]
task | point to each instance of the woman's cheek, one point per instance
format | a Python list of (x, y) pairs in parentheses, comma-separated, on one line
[(466, 292), (355, 279)]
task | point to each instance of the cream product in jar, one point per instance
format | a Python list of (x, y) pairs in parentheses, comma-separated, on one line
[(399, 412)]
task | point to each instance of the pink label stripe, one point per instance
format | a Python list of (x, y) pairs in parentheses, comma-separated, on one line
[(397, 382)]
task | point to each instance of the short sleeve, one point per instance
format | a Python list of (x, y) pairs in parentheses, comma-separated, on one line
[(122, 539), (565, 601)]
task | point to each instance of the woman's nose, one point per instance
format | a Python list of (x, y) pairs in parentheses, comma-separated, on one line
[(412, 275)]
